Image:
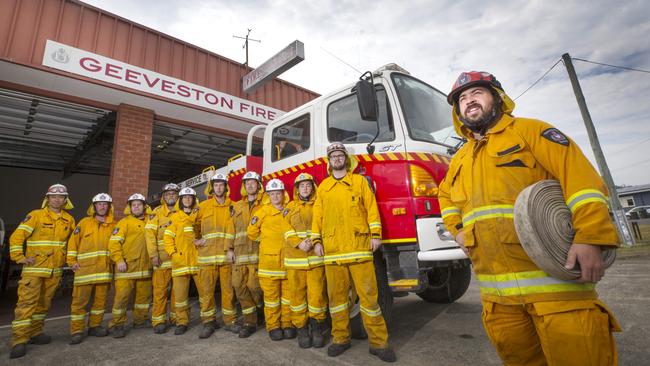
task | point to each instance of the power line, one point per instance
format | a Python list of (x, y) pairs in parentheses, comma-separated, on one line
[(615, 66), (629, 146), (538, 80)]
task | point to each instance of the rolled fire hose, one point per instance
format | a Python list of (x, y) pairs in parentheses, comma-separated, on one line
[(544, 226)]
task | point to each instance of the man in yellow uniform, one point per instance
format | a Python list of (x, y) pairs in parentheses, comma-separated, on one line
[(215, 249), (244, 271), (304, 264), (180, 244), (89, 258), (346, 221), (162, 264), (269, 226), (530, 317), (128, 250), (46, 232)]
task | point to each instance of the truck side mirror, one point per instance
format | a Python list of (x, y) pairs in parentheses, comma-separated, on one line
[(367, 99)]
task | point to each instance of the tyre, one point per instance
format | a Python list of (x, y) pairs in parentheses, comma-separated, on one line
[(447, 284), (384, 298)]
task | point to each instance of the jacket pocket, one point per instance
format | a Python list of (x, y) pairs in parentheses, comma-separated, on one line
[(358, 216)]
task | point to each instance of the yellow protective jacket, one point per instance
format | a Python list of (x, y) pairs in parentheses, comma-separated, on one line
[(214, 222), (128, 244), (478, 193), (246, 250), (46, 234), (154, 233), (179, 243), (88, 246), (299, 216), (345, 218), (268, 226)]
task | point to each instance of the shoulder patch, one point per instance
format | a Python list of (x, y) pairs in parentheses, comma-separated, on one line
[(232, 211), (77, 229), (285, 212), (254, 220), (554, 135), (27, 218), (116, 230), (152, 216)]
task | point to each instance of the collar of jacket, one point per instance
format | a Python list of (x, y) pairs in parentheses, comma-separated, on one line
[(63, 215), (214, 202), (165, 211), (108, 219), (328, 184)]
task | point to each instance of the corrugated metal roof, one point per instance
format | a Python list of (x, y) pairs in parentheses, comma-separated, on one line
[(633, 189)]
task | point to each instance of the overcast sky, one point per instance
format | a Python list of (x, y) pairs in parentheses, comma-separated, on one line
[(435, 40)]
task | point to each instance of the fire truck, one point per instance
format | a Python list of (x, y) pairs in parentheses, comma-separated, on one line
[(399, 130)]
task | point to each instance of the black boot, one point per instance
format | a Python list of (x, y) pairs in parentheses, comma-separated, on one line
[(233, 327), (180, 329), (318, 329), (18, 351), (208, 329), (98, 331), (40, 339), (246, 331), (160, 329), (76, 338), (384, 354), (118, 331), (336, 349), (289, 332), (304, 337), (276, 334)]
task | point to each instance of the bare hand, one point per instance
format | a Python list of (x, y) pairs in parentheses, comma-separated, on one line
[(590, 258), (305, 245), (375, 244), (460, 239), (121, 266), (28, 261), (75, 267), (199, 242), (230, 256), (318, 249), (155, 261)]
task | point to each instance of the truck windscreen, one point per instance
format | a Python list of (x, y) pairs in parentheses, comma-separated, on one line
[(427, 114)]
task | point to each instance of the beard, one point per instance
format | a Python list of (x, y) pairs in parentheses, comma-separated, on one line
[(484, 121)]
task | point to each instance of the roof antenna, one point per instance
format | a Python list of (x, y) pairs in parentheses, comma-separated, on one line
[(338, 58), (246, 43)]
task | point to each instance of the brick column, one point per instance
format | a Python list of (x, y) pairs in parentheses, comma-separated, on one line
[(131, 155)]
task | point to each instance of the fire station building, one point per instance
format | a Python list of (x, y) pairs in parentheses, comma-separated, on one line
[(102, 104)]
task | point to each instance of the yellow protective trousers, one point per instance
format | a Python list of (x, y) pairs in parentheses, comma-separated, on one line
[(181, 288), (307, 295), (572, 332), (276, 302), (338, 290), (34, 299), (80, 298), (209, 276), (162, 280), (123, 290), (247, 288)]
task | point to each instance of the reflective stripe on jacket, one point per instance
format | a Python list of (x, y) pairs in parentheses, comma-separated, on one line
[(128, 244), (45, 234), (215, 223), (88, 246)]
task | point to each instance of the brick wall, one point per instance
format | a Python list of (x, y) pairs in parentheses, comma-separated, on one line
[(131, 154)]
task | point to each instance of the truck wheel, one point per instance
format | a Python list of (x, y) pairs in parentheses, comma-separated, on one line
[(384, 298), (447, 284)]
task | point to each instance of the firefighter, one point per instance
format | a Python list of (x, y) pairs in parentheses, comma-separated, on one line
[(215, 255), (244, 271), (268, 226), (46, 232), (304, 264), (89, 258), (128, 250), (530, 317), (346, 221), (180, 245), (162, 264)]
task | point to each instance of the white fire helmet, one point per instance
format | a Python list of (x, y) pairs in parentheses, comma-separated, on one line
[(136, 197), (57, 189), (102, 197), (274, 185), (171, 187), (187, 191), (252, 175), (218, 177)]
